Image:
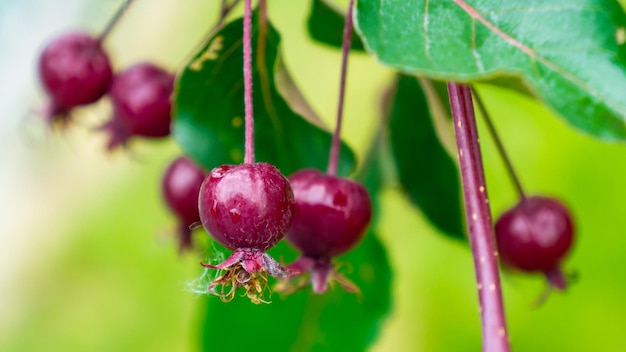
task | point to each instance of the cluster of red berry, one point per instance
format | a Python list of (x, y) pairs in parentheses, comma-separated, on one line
[(75, 70), (249, 208)]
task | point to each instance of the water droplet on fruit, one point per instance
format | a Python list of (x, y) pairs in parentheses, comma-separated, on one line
[(235, 215), (219, 172)]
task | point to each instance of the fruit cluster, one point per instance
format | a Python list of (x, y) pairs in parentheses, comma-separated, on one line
[(250, 207), (247, 208), (76, 70)]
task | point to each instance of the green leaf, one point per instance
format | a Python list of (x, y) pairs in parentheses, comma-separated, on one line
[(426, 171), (334, 321), (326, 23), (571, 54), (304, 321), (209, 109)]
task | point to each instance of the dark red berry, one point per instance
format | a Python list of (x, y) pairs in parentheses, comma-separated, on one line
[(332, 214), (141, 98), (247, 208), (535, 236), (75, 70), (331, 217), (181, 188)]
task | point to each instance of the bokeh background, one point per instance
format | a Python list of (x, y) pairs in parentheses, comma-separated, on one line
[(88, 261)]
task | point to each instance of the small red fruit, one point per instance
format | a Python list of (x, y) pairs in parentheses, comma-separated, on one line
[(74, 70), (181, 187), (141, 104), (246, 208), (535, 236), (331, 217)]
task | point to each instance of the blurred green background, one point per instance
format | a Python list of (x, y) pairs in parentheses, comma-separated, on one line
[(88, 261)]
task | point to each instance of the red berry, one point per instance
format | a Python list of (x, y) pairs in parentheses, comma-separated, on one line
[(75, 70), (141, 102), (181, 187), (535, 236), (332, 215), (247, 208)]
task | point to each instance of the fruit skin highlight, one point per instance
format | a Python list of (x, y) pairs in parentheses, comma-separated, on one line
[(246, 208), (74, 70), (535, 236), (332, 215), (141, 98), (180, 188)]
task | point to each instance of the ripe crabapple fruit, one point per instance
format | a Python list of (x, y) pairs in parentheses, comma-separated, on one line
[(74, 70), (141, 98), (246, 208), (331, 217), (535, 236), (181, 187)]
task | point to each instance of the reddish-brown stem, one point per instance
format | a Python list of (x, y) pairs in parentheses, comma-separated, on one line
[(499, 145), (479, 220), (225, 10), (115, 19), (263, 13), (335, 146), (247, 82)]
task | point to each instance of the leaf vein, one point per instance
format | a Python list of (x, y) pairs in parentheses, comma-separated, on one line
[(475, 53), (542, 9), (473, 13), (425, 31)]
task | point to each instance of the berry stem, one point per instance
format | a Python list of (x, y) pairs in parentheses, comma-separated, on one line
[(479, 220), (115, 19), (247, 82), (336, 142), (499, 145), (225, 10)]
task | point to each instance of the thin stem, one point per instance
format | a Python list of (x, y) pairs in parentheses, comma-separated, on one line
[(262, 28), (336, 143), (247, 82), (225, 9), (479, 220), (115, 19), (499, 145)]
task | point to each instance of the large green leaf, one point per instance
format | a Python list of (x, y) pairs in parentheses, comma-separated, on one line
[(425, 169), (325, 24), (571, 54), (209, 109), (334, 321)]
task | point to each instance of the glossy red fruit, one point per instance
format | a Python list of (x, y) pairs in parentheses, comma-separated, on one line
[(181, 188), (535, 236), (332, 213), (247, 208), (141, 98), (331, 217), (75, 70)]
